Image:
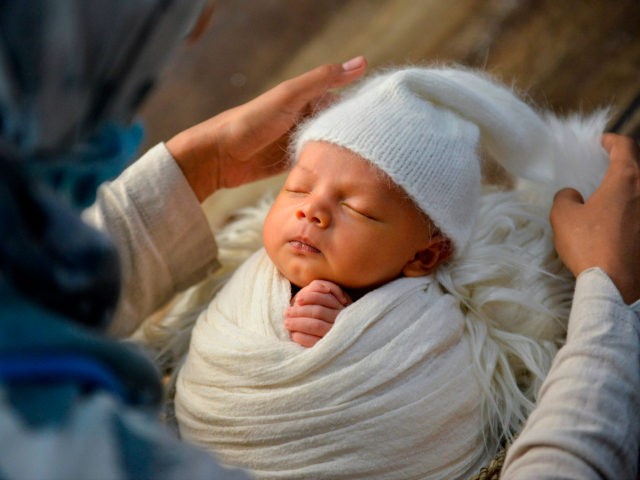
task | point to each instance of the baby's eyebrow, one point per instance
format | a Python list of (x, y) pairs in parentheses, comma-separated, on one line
[(302, 172), (301, 167)]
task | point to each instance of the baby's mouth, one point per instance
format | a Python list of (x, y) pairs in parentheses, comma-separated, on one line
[(303, 246)]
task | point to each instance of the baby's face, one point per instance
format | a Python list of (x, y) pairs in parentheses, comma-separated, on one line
[(338, 218)]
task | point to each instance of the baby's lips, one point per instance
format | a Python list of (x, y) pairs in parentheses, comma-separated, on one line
[(304, 245)]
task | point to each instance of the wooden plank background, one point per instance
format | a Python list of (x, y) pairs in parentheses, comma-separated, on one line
[(566, 55)]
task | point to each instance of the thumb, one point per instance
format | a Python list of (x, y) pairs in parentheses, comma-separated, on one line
[(570, 195), (564, 204)]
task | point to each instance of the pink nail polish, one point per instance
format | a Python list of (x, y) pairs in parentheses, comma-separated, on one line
[(353, 64)]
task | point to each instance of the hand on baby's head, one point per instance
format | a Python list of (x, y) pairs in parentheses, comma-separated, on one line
[(313, 311)]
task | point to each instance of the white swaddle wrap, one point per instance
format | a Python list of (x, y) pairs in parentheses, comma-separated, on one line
[(389, 392)]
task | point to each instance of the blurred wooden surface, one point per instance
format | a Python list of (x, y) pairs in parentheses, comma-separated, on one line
[(567, 55)]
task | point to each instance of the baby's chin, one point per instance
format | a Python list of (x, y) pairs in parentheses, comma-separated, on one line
[(303, 279), (297, 274), (301, 276)]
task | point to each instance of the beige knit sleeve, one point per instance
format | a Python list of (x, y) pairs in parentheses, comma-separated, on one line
[(162, 235), (586, 424)]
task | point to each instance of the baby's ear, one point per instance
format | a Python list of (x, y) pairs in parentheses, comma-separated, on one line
[(425, 261)]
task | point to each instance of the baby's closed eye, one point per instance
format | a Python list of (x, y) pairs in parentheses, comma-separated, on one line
[(295, 191), (360, 211)]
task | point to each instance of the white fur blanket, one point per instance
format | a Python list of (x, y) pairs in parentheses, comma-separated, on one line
[(390, 392)]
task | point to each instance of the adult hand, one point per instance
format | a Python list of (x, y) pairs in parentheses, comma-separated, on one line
[(604, 231), (249, 142), (313, 311)]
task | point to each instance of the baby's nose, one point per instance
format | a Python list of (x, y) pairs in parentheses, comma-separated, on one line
[(314, 214)]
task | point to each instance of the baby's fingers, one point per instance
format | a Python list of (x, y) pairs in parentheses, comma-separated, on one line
[(322, 299), (312, 312), (304, 339), (326, 287), (307, 325)]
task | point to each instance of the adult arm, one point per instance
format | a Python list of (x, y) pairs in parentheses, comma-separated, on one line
[(586, 423), (161, 233), (152, 211)]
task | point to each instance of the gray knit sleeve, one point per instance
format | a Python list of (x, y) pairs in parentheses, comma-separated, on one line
[(162, 235), (586, 423)]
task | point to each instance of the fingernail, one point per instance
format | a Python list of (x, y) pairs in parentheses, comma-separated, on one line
[(353, 64)]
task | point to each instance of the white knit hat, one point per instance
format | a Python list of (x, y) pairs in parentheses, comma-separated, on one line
[(424, 128)]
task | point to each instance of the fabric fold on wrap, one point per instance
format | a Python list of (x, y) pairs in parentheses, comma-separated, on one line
[(347, 408)]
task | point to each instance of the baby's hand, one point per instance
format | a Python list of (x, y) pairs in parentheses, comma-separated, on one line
[(313, 311)]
